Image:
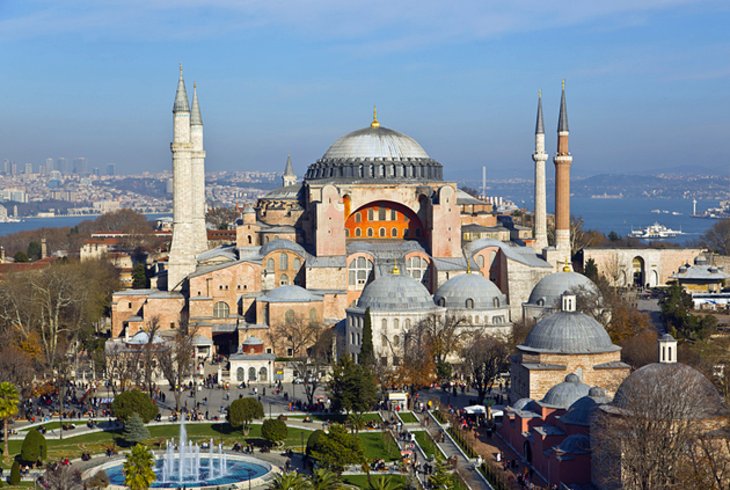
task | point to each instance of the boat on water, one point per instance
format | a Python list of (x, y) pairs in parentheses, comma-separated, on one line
[(606, 195), (655, 232)]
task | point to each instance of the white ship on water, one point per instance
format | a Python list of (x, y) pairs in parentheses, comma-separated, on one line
[(656, 232)]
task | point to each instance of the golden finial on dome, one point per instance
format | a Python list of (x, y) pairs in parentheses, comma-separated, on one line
[(396, 270), (375, 123), (563, 83), (566, 267)]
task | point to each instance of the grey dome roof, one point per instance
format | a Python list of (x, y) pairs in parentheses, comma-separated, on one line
[(251, 340), (281, 244), (582, 410), (372, 143), (564, 394), (142, 338), (396, 293), (551, 287), (575, 444), (525, 404), (669, 380), (567, 332), (476, 287), (289, 294)]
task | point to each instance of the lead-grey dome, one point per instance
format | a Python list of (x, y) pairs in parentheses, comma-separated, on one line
[(575, 444), (581, 412), (455, 293), (549, 289), (289, 294), (375, 153), (564, 394), (568, 332), (396, 293)]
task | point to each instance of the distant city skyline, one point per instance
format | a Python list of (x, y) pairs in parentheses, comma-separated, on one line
[(647, 82)]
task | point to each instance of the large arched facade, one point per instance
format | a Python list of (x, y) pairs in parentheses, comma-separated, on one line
[(384, 220)]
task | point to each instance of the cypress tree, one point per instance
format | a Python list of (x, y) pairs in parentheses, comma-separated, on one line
[(34, 447), (367, 353), (15, 473)]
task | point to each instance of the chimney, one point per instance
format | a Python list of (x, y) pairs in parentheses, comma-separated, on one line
[(667, 349), (569, 302)]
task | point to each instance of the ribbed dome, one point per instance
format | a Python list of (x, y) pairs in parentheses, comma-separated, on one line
[(396, 293), (553, 286), (582, 410), (564, 394), (375, 153), (568, 333), (456, 291)]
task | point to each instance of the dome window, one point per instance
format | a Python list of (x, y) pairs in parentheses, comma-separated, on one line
[(496, 302), (470, 304)]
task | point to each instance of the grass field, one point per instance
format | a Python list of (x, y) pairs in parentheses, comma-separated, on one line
[(428, 445), (361, 481), (378, 445), (408, 418), (338, 417)]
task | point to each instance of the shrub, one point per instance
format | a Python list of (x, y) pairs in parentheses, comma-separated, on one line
[(134, 401), (274, 430), (242, 411), (313, 440), (98, 481), (15, 473), (34, 447)]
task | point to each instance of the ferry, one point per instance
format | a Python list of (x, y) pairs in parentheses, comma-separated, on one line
[(606, 195), (655, 231)]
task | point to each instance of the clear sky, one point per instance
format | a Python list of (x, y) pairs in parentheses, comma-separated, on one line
[(648, 81)]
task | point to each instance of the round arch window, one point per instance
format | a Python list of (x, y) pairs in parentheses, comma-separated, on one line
[(221, 310)]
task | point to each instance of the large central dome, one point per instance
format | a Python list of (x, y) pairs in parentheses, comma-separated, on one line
[(375, 153)]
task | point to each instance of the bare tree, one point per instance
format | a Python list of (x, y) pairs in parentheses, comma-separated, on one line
[(485, 356), (122, 366), (177, 360), (150, 354), (316, 360), (296, 333), (61, 477)]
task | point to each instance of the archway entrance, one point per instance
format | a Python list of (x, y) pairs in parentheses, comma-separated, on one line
[(639, 274), (527, 451)]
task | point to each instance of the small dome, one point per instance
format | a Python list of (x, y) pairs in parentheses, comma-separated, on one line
[(289, 294), (281, 244), (575, 444), (455, 292), (582, 410), (667, 381), (396, 293), (251, 340), (527, 404), (142, 337), (548, 291), (564, 394), (568, 333)]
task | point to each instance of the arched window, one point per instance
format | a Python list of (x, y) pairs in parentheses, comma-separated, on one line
[(396, 324), (312, 315), (384, 325), (370, 232), (416, 267), (541, 302), (476, 319), (252, 374), (249, 239), (347, 233), (283, 261), (496, 302), (470, 304), (359, 272), (270, 265), (297, 263), (384, 341), (221, 310), (358, 217), (358, 232), (371, 214), (393, 215), (394, 232), (480, 261), (240, 373), (396, 340), (408, 323), (381, 214), (498, 319), (263, 374), (381, 232)]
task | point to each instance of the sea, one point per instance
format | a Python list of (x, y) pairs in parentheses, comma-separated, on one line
[(606, 215)]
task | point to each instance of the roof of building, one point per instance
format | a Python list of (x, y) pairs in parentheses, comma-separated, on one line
[(289, 294), (252, 340), (464, 198), (281, 244), (142, 338), (239, 356), (375, 143), (481, 291), (581, 411), (575, 444), (551, 287), (521, 254), (701, 270), (526, 404), (396, 292), (568, 332), (564, 394), (284, 193)]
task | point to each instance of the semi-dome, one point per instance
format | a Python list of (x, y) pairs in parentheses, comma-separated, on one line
[(568, 332), (457, 291), (564, 394), (396, 293), (375, 153), (526, 404), (548, 291), (671, 380), (581, 412), (575, 444), (281, 244)]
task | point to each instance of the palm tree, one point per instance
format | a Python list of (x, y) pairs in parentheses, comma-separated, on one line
[(138, 468), (9, 400), (324, 479), (383, 483), (290, 480)]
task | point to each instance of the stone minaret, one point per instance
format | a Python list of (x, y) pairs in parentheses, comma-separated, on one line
[(289, 178), (563, 160), (188, 189), (540, 157)]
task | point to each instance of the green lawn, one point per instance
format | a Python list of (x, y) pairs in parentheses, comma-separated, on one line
[(408, 418), (338, 417), (361, 481), (377, 445), (50, 425), (428, 445)]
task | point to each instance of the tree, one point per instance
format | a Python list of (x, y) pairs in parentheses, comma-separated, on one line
[(443, 337), (62, 477), (139, 276), (177, 359), (134, 429), (676, 308), (289, 480), (312, 359), (9, 400), (590, 270), (442, 477), (222, 218), (21, 257), (34, 447), (134, 402), (243, 411), (485, 356), (139, 468), (337, 448), (356, 422), (367, 352), (34, 250), (324, 479), (381, 482), (274, 430), (613, 236), (352, 387), (14, 473), (98, 481), (313, 440), (717, 238)]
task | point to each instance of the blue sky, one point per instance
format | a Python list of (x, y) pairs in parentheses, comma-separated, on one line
[(648, 81)]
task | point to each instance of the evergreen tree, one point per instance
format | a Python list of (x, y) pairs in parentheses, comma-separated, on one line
[(367, 352), (15, 473), (274, 431), (139, 471), (289, 480), (34, 447), (134, 429), (591, 270), (353, 387), (134, 401), (244, 410), (34, 250), (337, 448), (139, 277), (324, 479), (442, 477)]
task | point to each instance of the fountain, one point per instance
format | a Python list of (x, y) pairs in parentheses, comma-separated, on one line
[(186, 465)]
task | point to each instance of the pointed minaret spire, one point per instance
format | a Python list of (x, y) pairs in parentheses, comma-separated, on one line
[(539, 231), (181, 97), (539, 125), (289, 178), (563, 118), (289, 170), (195, 118)]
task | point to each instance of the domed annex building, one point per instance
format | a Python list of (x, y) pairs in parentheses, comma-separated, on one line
[(545, 297), (324, 249)]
